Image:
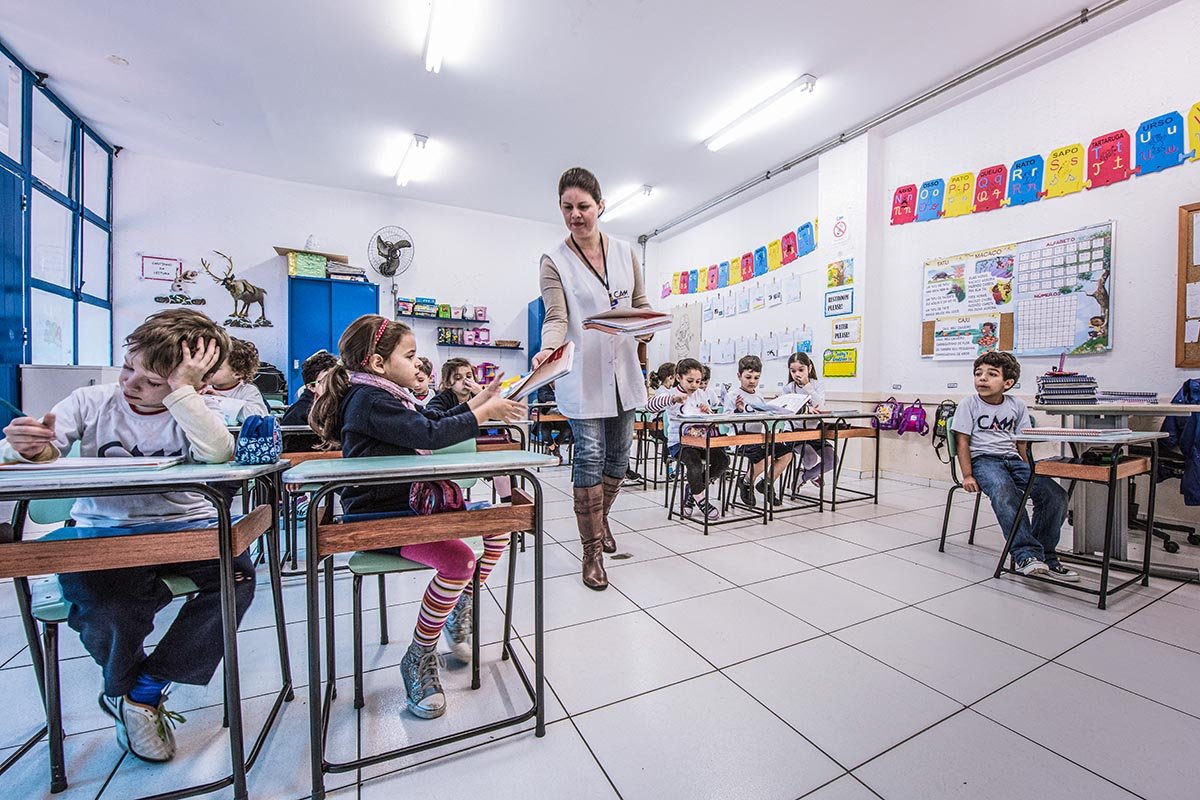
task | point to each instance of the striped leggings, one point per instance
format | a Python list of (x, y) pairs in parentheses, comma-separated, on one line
[(455, 564)]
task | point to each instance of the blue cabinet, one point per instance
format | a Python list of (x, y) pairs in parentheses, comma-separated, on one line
[(318, 311), (535, 316)]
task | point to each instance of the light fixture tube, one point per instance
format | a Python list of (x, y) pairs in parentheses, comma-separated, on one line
[(435, 35), (629, 202), (750, 119)]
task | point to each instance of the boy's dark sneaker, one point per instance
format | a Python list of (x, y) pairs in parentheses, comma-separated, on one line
[(1032, 566), (1061, 573), (708, 510), (689, 505), (746, 493), (631, 478)]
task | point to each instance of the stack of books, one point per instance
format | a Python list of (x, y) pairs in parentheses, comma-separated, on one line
[(1066, 389), (345, 272), (628, 321), (1112, 396)]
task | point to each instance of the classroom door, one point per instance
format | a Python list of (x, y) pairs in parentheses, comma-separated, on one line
[(12, 291)]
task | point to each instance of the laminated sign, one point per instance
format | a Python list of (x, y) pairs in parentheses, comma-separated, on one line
[(1064, 171), (839, 302), (1160, 143), (1109, 160), (1025, 180), (929, 199), (840, 362), (989, 188), (788, 244), (958, 195), (904, 205)]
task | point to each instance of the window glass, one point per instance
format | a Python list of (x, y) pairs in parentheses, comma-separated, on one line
[(95, 177), (95, 260), (51, 328), (10, 109), (50, 241), (95, 335), (51, 143)]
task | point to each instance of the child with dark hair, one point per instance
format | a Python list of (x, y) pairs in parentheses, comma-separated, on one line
[(803, 374), (662, 380), (233, 383), (458, 385), (423, 391), (991, 462), (311, 372), (746, 398)]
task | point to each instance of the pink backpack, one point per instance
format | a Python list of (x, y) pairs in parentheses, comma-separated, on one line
[(912, 418), (887, 415)]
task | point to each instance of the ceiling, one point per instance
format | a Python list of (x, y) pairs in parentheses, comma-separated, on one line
[(331, 95)]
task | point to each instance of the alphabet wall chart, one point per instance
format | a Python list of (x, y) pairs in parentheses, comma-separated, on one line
[(759, 261), (1159, 143)]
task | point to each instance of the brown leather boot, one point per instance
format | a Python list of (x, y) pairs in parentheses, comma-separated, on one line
[(612, 487), (589, 516)]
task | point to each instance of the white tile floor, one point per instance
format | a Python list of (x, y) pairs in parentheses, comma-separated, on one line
[(829, 656)]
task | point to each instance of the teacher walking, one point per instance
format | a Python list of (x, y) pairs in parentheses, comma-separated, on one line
[(589, 273)]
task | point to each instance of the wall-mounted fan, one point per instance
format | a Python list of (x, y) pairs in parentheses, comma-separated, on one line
[(390, 251)]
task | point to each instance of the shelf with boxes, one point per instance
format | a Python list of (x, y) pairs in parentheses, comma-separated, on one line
[(315, 264)]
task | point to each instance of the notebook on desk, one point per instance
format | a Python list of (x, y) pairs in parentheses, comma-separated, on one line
[(140, 463)]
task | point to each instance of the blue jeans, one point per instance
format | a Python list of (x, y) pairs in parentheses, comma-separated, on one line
[(1003, 480), (601, 448)]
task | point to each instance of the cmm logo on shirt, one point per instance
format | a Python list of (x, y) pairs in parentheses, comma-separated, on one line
[(991, 422)]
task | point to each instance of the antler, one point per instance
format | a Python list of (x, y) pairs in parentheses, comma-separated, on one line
[(229, 269), (204, 264)]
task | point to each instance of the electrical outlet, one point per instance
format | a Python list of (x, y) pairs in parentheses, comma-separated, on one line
[(951, 385), (897, 386)]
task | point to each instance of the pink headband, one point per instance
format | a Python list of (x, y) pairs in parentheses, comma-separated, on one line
[(375, 342)]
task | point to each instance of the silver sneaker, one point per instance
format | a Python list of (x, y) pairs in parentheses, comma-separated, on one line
[(144, 731), (419, 670), (458, 627)]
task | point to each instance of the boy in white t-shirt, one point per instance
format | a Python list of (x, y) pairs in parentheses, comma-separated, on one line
[(746, 398), (993, 463), (233, 383)]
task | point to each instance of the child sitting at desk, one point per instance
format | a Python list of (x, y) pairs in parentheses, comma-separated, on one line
[(232, 385), (153, 410), (803, 374), (458, 385), (423, 391), (366, 406), (311, 372), (991, 462), (662, 380), (746, 398), (687, 398)]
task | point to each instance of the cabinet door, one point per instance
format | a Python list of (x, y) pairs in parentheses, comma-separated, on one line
[(12, 301), (310, 326), (351, 301)]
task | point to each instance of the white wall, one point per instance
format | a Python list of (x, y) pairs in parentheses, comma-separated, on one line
[(1134, 73), (182, 210), (740, 230)]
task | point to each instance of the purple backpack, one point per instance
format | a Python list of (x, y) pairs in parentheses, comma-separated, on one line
[(887, 415), (912, 418), (434, 497)]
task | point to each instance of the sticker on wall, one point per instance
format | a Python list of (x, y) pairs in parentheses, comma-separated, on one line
[(1160, 144), (694, 281), (1193, 125), (989, 188), (676, 283), (243, 293), (840, 362), (929, 199), (735, 270), (181, 289), (846, 330), (958, 195), (747, 266), (774, 255), (839, 302), (806, 239), (666, 289), (713, 277), (1064, 171), (904, 204), (841, 231), (760, 261), (840, 273), (723, 275), (1109, 160), (788, 244), (1025, 181), (684, 281)]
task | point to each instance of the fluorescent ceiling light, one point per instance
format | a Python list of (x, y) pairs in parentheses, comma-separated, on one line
[(763, 113), (414, 159), (629, 202), (435, 36)]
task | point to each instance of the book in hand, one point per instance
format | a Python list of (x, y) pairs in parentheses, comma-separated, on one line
[(793, 403), (142, 463), (558, 363), (628, 321)]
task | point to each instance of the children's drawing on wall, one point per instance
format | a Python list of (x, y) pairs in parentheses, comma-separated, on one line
[(965, 337), (840, 273), (1098, 324), (244, 294)]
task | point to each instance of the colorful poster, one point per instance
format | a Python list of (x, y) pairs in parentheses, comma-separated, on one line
[(846, 330), (840, 273), (839, 302), (760, 261), (666, 289), (774, 255), (684, 280), (713, 273), (1025, 181), (989, 188), (970, 283), (1193, 125), (747, 266), (904, 204), (788, 243), (694, 281), (806, 239), (965, 338), (723, 275), (1160, 144), (1109, 160), (958, 195), (735, 270), (929, 199), (841, 362), (1064, 171)]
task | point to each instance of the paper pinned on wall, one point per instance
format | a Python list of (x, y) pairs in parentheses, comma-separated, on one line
[(774, 293), (742, 347), (787, 343), (718, 306), (728, 351), (1191, 330), (760, 297), (705, 352), (730, 304), (771, 347), (708, 308), (743, 300), (791, 289), (1193, 299), (756, 346)]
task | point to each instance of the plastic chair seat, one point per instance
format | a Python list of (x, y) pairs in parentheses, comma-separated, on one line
[(375, 563), (48, 605)]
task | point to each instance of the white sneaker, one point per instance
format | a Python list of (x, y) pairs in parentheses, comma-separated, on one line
[(1032, 566), (1061, 573), (144, 731)]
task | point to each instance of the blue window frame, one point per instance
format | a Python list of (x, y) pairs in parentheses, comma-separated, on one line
[(63, 171)]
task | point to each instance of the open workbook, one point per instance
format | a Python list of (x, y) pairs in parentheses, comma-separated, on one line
[(628, 321), (147, 463), (559, 363)]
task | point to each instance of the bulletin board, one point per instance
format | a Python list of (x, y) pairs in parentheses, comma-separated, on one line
[(1042, 296), (1187, 314)]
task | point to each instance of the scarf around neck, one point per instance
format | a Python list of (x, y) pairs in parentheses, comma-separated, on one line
[(398, 392)]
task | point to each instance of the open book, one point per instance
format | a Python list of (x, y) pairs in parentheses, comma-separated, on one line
[(150, 464), (558, 364), (628, 321), (784, 404)]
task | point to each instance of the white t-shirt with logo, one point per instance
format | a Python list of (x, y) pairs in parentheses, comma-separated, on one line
[(991, 427)]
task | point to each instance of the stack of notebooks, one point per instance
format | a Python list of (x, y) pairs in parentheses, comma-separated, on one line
[(1111, 396), (345, 272), (628, 321), (1066, 389)]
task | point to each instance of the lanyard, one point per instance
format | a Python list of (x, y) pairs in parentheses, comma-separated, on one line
[(604, 253)]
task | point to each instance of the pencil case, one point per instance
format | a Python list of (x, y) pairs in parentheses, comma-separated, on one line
[(259, 441)]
